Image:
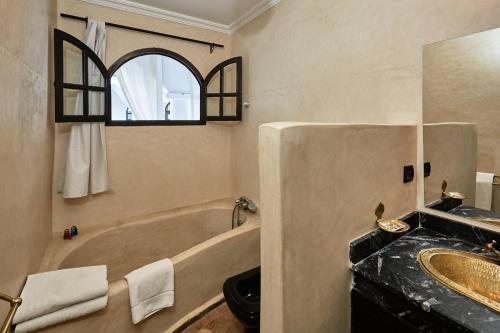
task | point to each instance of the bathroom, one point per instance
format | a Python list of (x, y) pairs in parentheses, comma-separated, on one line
[(324, 153)]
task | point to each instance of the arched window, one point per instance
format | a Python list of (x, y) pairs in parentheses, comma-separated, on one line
[(155, 86), (145, 87)]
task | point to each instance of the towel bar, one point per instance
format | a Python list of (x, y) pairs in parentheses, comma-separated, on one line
[(14, 304)]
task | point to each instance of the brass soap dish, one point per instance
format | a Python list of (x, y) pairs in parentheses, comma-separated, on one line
[(455, 195), (452, 195), (390, 225), (485, 219)]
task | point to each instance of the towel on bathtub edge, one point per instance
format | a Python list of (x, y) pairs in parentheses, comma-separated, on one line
[(151, 289), (48, 292), (68, 313)]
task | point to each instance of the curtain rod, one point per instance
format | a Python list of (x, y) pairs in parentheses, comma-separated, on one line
[(119, 26)]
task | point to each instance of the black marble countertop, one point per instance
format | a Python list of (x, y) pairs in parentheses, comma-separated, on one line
[(473, 213), (395, 267)]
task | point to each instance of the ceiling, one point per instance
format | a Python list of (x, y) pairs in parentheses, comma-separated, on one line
[(218, 11), (219, 15)]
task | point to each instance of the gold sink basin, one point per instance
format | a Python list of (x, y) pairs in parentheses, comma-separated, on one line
[(470, 274)]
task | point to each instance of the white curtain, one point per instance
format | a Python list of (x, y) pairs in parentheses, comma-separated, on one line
[(141, 82), (86, 170)]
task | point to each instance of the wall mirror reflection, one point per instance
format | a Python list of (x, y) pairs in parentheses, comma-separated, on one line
[(461, 114)]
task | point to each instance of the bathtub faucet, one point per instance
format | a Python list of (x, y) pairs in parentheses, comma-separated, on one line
[(247, 205)]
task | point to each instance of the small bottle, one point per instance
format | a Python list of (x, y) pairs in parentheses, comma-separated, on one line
[(67, 234), (74, 231)]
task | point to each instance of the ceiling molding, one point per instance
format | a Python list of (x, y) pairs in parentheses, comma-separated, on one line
[(162, 14), (137, 8), (253, 13)]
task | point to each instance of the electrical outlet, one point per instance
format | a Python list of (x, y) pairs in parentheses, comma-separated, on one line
[(408, 174), (427, 169)]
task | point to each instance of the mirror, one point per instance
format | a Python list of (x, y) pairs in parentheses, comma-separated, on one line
[(154, 87), (461, 116)]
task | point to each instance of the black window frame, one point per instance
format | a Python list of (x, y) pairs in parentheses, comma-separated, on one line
[(59, 38), (157, 51), (222, 94)]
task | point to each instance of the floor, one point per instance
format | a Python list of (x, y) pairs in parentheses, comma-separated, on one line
[(219, 320)]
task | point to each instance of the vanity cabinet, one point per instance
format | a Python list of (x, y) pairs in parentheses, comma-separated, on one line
[(391, 292), (374, 309)]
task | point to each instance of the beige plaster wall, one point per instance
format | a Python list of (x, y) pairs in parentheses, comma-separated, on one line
[(26, 139), (451, 148), (341, 61), (321, 184), (151, 169)]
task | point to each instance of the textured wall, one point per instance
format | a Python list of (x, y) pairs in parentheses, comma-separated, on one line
[(321, 184), (151, 169), (26, 139), (341, 61), (452, 151)]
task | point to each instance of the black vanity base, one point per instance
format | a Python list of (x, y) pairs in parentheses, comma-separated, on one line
[(391, 292), (374, 309)]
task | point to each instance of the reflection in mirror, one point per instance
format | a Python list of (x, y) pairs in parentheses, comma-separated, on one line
[(230, 77), (95, 76), (96, 103), (154, 88), (73, 102), (213, 106), (213, 86), (461, 113), (72, 64), (229, 105)]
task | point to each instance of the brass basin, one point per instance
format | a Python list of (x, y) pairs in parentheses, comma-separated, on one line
[(469, 274)]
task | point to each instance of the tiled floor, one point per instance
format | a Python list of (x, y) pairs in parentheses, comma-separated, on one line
[(219, 320)]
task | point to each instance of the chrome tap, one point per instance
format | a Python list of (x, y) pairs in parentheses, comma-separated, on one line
[(490, 248), (247, 205)]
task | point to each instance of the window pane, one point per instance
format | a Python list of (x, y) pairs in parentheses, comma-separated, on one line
[(95, 77), (73, 102), (230, 72), (72, 63), (229, 106), (213, 106), (213, 86), (152, 88), (96, 103)]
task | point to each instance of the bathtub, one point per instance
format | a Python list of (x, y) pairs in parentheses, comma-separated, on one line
[(204, 250)]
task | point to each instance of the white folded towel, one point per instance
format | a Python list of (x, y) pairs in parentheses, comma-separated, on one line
[(484, 190), (74, 311), (50, 292), (151, 289)]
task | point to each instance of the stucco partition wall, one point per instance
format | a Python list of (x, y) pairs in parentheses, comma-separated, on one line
[(26, 139), (341, 61), (320, 186), (151, 169), (451, 148)]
